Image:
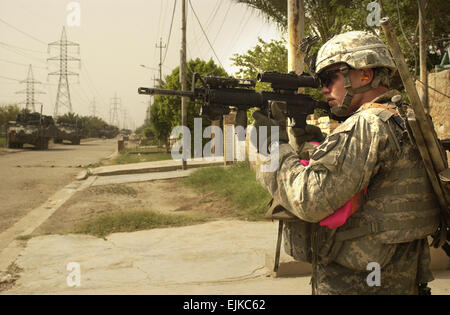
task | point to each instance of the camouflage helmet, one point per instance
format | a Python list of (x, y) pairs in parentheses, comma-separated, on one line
[(360, 50), (356, 50)]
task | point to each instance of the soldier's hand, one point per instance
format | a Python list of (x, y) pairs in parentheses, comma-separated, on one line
[(278, 118), (299, 138)]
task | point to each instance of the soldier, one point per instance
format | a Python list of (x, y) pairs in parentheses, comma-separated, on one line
[(364, 200)]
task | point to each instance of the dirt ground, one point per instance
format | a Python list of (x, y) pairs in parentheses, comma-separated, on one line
[(161, 195)]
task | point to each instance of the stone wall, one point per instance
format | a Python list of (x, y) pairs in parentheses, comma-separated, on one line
[(439, 100)]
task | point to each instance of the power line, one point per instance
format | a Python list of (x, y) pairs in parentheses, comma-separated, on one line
[(30, 36), (17, 47), (223, 22), (7, 78), (20, 64), (195, 14), (208, 23), (212, 17), (170, 31), (14, 50)]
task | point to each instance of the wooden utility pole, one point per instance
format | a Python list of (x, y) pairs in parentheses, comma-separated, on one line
[(184, 100), (423, 56), (296, 29), (160, 60)]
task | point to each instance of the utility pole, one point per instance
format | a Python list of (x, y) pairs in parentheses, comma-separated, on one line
[(296, 30), (155, 80), (423, 57), (184, 100), (63, 96), (30, 91), (160, 59)]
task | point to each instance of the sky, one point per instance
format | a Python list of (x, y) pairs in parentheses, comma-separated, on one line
[(115, 37)]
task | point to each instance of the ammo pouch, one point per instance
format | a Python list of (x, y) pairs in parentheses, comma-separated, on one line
[(296, 233), (297, 240), (301, 238)]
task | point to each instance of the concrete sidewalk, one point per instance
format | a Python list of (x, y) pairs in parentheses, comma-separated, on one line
[(220, 257)]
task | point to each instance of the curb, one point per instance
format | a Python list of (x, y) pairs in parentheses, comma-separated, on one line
[(135, 168)]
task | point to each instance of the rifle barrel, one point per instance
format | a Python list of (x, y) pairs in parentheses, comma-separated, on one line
[(150, 91)]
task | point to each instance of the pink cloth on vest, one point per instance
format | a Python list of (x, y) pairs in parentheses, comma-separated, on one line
[(340, 216)]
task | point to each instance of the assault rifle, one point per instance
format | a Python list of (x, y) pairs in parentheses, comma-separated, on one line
[(217, 94)]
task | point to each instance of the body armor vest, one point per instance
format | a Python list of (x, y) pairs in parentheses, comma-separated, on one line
[(400, 207)]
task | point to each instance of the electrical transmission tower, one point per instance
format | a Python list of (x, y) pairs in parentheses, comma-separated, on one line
[(93, 108), (114, 110), (30, 91), (63, 95), (125, 117)]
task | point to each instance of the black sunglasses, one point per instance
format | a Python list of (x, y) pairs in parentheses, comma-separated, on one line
[(327, 77)]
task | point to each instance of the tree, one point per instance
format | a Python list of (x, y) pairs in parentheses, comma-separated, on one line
[(272, 10), (68, 118), (265, 56), (93, 127), (326, 18), (8, 113)]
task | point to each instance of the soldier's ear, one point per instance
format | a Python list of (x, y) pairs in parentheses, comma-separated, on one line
[(366, 76)]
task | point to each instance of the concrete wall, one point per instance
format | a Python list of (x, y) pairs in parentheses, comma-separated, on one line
[(439, 100)]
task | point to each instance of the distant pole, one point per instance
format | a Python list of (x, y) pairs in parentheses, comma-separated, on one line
[(184, 100), (296, 30), (423, 56), (160, 60)]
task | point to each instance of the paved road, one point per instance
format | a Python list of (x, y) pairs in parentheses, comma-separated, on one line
[(30, 177)]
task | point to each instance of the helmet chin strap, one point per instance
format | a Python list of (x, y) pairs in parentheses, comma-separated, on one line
[(342, 110)]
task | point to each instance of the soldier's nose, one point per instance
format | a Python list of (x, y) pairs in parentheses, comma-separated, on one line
[(325, 90)]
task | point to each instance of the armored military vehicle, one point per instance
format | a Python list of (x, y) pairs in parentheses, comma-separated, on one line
[(30, 128), (125, 133), (68, 131), (108, 131)]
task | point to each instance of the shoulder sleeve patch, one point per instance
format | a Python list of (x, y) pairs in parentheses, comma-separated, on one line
[(326, 146)]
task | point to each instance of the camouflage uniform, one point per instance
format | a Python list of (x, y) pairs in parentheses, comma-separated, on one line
[(369, 150)]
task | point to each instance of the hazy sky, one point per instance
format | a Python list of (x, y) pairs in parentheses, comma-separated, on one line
[(115, 37)]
